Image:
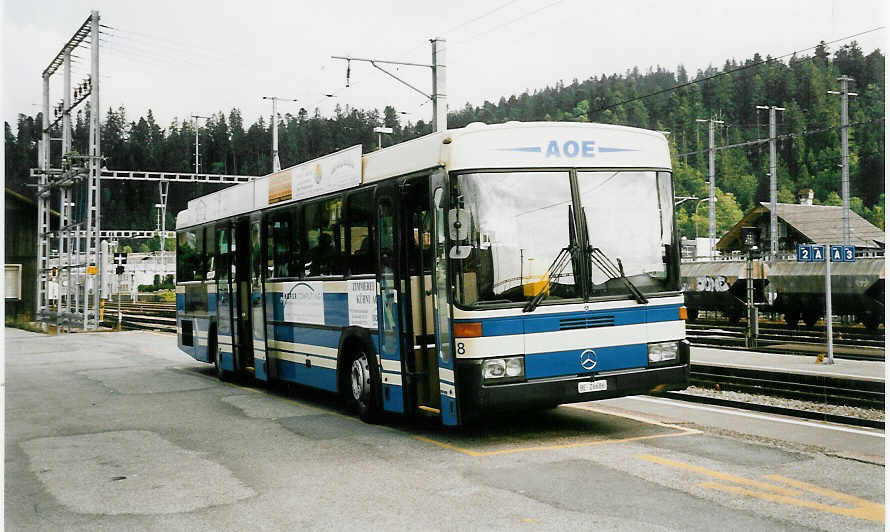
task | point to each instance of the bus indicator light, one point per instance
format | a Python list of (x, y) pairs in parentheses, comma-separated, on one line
[(468, 330)]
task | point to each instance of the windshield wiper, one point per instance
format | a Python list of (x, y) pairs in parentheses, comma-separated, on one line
[(564, 258), (605, 265), (553, 272)]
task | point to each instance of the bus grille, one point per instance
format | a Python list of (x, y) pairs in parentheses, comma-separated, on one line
[(586, 322)]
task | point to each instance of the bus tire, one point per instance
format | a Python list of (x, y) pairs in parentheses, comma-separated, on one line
[(363, 387), (792, 317)]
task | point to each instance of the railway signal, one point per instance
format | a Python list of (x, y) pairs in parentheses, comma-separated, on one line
[(751, 242)]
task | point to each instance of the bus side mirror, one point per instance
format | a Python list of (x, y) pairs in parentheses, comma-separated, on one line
[(437, 198), (460, 224)]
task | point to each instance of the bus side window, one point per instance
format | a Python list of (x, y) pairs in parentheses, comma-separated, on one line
[(188, 256), (362, 258), (323, 231), (280, 236), (209, 253)]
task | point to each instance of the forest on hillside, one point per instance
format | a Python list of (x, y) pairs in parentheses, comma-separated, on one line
[(809, 154)]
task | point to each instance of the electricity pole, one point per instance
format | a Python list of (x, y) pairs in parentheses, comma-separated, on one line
[(276, 163), (712, 200), (845, 158), (438, 96), (197, 164), (773, 219)]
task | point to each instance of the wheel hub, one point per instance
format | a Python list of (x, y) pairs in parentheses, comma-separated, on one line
[(360, 378)]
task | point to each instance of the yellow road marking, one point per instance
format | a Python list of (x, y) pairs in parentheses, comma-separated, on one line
[(589, 443), (717, 474), (868, 510), (818, 490), (861, 509)]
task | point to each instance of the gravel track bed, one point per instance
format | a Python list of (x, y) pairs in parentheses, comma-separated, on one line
[(823, 408)]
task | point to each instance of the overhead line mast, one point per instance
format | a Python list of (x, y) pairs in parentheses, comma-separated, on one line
[(438, 95), (712, 199), (773, 217), (276, 162), (845, 154), (72, 254)]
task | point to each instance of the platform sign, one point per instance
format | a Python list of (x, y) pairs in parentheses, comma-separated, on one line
[(810, 253), (843, 253)]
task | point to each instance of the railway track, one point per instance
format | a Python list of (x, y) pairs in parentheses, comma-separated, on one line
[(857, 393), (141, 316), (849, 342)]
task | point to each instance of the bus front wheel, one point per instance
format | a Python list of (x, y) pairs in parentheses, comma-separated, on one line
[(362, 388)]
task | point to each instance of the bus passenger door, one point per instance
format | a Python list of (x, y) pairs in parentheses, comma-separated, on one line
[(240, 285), (225, 333), (257, 299), (416, 284), (441, 306), (389, 322)]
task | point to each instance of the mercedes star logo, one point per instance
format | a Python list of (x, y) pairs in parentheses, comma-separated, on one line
[(588, 359)]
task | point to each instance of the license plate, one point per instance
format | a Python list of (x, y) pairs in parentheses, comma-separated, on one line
[(594, 386)]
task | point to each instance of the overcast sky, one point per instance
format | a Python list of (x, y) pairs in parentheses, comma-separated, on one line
[(189, 57)]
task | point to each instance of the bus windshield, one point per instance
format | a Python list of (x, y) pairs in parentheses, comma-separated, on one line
[(629, 219), (519, 223)]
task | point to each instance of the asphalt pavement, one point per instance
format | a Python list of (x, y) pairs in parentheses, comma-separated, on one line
[(121, 431)]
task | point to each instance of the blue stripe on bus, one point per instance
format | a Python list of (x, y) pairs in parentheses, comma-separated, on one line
[(180, 302), (308, 335), (394, 402), (335, 309), (549, 323), (317, 376), (561, 363)]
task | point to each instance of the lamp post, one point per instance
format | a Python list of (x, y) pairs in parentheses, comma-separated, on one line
[(380, 131)]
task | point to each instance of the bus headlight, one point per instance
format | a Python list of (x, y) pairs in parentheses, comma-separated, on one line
[(663, 352), (511, 368), (514, 367), (495, 368)]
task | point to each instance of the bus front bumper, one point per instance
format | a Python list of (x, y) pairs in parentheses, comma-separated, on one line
[(479, 398)]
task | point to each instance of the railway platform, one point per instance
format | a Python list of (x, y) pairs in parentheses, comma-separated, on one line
[(867, 370)]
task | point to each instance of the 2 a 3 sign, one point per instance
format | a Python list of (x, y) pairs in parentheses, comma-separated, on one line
[(816, 253)]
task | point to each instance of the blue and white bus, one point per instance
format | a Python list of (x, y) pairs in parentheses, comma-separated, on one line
[(493, 267)]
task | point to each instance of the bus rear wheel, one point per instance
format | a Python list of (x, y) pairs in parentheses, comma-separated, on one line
[(362, 388)]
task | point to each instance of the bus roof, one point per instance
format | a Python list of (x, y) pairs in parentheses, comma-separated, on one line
[(476, 146)]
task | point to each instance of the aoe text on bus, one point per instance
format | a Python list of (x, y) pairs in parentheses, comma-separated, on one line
[(571, 148)]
